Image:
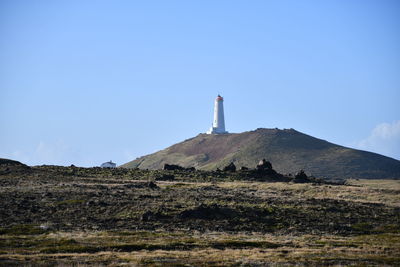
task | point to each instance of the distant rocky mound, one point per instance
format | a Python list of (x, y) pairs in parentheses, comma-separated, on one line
[(8, 166), (288, 150)]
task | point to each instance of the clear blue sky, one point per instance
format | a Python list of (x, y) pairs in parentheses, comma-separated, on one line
[(83, 82)]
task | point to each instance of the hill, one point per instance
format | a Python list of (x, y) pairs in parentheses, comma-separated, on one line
[(288, 150), (12, 166)]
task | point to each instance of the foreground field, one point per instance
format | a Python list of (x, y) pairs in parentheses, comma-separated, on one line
[(54, 216), (194, 248)]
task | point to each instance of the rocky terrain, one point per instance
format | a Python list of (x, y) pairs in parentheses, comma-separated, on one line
[(51, 215), (288, 150)]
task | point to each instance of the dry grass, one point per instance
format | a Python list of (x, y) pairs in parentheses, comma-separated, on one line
[(306, 249), (376, 184), (371, 191), (218, 248)]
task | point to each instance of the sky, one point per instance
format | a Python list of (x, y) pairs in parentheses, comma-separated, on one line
[(84, 82)]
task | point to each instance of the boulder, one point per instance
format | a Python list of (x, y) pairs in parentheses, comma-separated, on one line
[(172, 167), (152, 185), (301, 177), (230, 168), (264, 165)]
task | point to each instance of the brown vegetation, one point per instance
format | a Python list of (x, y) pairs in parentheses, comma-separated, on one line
[(53, 215)]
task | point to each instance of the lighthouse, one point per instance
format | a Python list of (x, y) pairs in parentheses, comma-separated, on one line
[(218, 125)]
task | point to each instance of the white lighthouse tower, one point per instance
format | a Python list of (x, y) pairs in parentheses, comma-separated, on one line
[(218, 126)]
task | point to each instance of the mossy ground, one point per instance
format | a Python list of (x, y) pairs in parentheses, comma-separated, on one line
[(73, 216)]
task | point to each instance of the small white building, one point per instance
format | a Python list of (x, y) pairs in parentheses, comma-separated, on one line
[(108, 164)]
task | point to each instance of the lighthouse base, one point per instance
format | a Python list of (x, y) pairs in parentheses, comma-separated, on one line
[(214, 130)]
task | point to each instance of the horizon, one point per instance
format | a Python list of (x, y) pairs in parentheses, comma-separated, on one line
[(204, 133), (83, 83)]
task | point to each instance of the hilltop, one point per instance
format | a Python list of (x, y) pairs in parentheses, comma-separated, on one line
[(288, 150)]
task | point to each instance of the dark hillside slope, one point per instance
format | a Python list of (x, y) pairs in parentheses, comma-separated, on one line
[(8, 166), (288, 150)]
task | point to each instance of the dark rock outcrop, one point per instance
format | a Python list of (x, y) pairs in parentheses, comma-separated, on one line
[(230, 167), (172, 167), (264, 165), (301, 177), (12, 166), (152, 185)]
